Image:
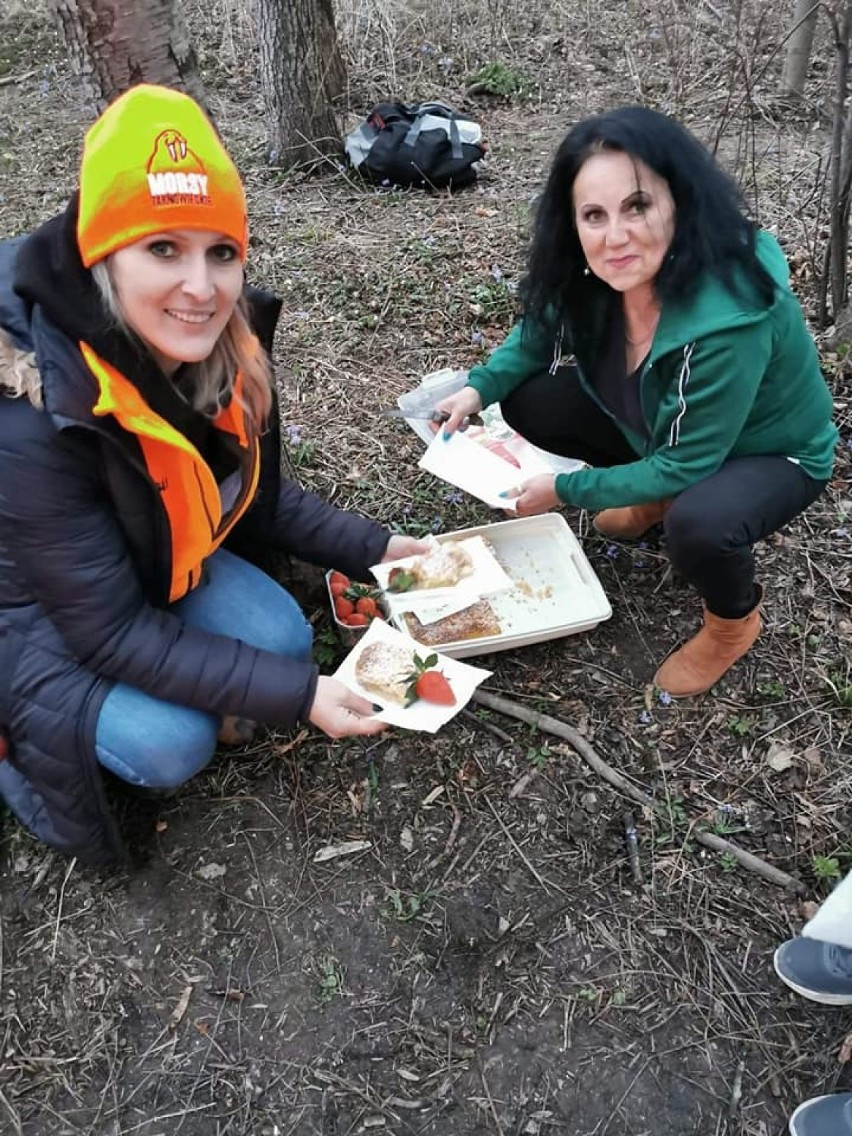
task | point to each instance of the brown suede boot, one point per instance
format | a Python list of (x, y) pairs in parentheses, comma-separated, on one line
[(631, 521), (700, 663)]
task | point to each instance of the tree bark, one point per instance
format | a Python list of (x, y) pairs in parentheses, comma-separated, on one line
[(840, 173), (115, 44), (798, 52), (301, 73)]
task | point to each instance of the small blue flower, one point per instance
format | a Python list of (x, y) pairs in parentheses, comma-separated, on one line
[(437, 524), (612, 551), (477, 337), (497, 272), (294, 435), (454, 497), (842, 531), (645, 718), (639, 563), (664, 698)]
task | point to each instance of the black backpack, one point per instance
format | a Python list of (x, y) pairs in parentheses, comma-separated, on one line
[(426, 145)]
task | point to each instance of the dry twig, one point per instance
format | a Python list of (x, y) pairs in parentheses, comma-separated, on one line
[(605, 770)]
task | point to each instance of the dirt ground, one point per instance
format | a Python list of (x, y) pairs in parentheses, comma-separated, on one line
[(488, 963)]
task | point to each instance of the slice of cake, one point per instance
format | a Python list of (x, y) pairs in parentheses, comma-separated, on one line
[(385, 669), (443, 567), (474, 622)]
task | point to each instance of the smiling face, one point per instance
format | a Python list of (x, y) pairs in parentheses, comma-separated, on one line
[(625, 218), (177, 291)]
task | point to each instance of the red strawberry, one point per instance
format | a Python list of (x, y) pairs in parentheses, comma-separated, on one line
[(429, 684), (432, 686), (338, 578), (367, 606), (343, 608), (356, 620), (399, 580)]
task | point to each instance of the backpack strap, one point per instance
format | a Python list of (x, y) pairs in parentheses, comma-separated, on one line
[(444, 112)]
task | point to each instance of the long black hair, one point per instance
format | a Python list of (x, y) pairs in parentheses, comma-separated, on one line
[(711, 234)]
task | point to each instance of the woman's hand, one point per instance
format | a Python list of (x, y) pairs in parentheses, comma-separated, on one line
[(458, 406), (340, 713), (400, 545), (538, 495)]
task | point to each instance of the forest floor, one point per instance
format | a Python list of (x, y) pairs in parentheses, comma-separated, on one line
[(489, 964)]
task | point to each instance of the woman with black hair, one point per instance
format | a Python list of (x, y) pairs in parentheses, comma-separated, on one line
[(661, 344)]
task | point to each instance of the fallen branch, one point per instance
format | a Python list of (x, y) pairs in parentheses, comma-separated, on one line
[(9, 80), (604, 770)]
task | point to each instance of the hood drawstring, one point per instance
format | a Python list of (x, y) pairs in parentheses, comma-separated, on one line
[(682, 384)]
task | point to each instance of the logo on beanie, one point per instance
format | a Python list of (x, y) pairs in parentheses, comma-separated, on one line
[(176, 175)]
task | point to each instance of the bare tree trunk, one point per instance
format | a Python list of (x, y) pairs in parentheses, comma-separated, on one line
[(301, 72), (800, 39), (118, 43), (840, 172)]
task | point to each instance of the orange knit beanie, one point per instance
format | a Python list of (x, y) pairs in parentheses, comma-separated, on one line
[(152, 163)]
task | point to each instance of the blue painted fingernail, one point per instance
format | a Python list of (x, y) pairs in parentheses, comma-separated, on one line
[(446, 435), (505, 493), (376, 706)]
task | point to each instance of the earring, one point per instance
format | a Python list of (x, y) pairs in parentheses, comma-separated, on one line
[(586, 270)]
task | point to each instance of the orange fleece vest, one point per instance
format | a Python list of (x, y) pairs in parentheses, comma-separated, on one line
[(188, 489)]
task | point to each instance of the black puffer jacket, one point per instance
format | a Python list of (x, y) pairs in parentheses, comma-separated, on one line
[(83, 580)]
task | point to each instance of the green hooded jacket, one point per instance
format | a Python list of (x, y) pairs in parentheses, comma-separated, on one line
[(724, 378)]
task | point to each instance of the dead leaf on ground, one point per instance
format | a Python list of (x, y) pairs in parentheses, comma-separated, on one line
[(346, 848), (813, 757), (211, 871), (180, 1009), (779, 757)]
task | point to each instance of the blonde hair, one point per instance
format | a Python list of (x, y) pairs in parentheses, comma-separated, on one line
[(19, 375), (208, 386)]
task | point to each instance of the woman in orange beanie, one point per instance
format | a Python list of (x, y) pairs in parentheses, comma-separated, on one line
[(137, 466)]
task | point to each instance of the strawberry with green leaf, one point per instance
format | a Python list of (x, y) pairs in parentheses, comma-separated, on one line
[(429, 684), (400, 581)]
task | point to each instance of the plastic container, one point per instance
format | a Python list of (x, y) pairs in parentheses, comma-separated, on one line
[(556, 591), (433, 387), (349, 636)]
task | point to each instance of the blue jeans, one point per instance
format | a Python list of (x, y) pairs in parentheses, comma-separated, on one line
[(147, 741)]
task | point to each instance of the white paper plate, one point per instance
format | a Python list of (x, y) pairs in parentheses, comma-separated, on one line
[(487, 577), (426, 716)]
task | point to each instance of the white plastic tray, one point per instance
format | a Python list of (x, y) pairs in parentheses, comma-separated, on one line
[(555, 593)]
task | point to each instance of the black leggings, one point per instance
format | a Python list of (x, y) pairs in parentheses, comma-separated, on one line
[(710, 527)]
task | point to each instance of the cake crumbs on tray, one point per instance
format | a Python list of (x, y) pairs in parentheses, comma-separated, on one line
[(526, 589)]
